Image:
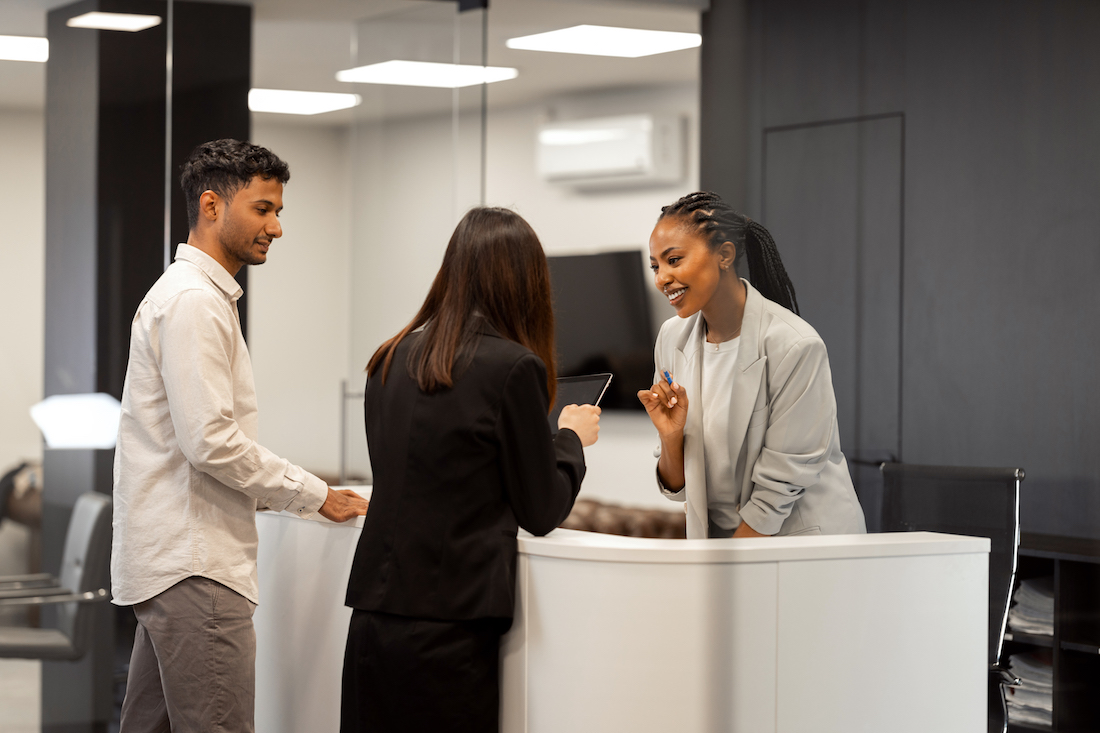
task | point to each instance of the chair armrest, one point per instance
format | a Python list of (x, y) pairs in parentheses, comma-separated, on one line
[(37, 580), (91, 596), (1000, 674), (52, 590)]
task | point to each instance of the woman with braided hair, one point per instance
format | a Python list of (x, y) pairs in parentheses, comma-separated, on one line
[(742, 396)]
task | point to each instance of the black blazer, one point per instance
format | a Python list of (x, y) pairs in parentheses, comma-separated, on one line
[(454, 473)]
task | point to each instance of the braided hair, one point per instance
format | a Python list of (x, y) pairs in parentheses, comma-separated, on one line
[(714, 219)]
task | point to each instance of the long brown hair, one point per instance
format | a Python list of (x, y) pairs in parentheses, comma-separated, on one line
[(494, 267)]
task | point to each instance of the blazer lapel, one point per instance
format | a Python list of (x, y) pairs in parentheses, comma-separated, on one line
[(689, 373), (750, 371)]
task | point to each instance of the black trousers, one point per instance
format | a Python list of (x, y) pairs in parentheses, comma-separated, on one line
[(408, 674)]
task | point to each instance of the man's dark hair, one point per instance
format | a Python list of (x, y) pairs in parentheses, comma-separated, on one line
[(225, 167)]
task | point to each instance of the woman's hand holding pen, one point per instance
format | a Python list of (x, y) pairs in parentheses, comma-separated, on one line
[(667, 405)]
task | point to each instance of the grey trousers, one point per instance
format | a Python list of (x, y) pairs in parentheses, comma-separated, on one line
[(193, 668)]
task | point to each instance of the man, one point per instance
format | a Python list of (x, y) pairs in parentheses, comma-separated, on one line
[(189, 474)]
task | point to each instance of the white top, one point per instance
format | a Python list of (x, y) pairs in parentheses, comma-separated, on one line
[(189, 474), (592, 546), (718, 372)]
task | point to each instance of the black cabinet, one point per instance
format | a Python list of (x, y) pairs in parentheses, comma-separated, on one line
[(1074, 565)]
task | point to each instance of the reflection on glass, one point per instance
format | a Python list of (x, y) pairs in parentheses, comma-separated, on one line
[(602, 40), (417, 166), (421, 156), (594, 136)]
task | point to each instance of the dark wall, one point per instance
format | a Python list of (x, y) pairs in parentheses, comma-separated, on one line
[(931, 175), (212, 62), (723, 112)]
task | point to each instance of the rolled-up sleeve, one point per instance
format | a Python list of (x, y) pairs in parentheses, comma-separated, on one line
[(196, 342), (801, 427)]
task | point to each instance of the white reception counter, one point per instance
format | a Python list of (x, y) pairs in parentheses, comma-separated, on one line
[(844, 633)]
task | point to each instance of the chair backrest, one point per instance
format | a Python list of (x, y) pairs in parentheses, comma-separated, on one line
[(979, 502), (85, 563), (7, 486)]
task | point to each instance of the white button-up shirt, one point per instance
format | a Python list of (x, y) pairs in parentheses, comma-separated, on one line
[(189, 474)]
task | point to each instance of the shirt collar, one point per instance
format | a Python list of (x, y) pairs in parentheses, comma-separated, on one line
[(212, 268)]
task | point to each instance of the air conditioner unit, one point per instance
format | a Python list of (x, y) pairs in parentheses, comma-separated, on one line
[(626, 151)]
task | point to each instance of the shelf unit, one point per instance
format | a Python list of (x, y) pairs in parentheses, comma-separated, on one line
[(1074, 563)]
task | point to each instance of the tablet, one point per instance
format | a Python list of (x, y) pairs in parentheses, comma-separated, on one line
[(586, 390)]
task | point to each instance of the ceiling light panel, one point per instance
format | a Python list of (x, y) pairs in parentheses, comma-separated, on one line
[(78, 420), (287, 102), (24, 48), (602, 40), (426, 74), (114, 21)]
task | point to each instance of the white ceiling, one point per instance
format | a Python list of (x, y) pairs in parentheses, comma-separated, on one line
[(301, 44)]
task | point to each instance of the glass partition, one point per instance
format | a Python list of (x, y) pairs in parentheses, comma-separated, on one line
[(422, 156), (588, 147), (417, 166)]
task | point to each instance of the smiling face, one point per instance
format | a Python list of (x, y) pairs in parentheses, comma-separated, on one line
[(685, 269), (248, 222)]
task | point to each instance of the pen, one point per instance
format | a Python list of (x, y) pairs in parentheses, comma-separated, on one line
[(668, 378)]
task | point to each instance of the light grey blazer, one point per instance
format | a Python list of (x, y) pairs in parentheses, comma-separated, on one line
[(792, 476)]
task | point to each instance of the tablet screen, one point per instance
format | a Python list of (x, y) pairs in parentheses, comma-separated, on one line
[(586, 390)]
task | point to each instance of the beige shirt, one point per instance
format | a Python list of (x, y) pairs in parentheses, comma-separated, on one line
[(189, 474)]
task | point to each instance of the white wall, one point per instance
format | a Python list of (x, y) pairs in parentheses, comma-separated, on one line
[(299, 308), (574, 221), (22, 264), (406, 199)]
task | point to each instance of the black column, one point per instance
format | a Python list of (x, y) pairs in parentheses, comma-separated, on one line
[(106, 120), (723, 100), (212, 58)]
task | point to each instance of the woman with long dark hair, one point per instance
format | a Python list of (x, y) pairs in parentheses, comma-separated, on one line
[(742, 397), (462, 454)]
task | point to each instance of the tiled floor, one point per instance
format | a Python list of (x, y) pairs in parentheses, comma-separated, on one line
[(20, 696)]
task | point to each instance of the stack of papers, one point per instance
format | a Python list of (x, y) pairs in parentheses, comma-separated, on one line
[(1032, 609), (1031, 702)]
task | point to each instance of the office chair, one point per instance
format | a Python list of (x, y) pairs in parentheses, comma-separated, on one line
[(7, 486), (85, 570), (979, 502)]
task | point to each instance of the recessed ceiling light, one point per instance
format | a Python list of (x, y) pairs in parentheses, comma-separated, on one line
[(602, 40), (426, 74), (114, 21), (24, 48), (287, 102)]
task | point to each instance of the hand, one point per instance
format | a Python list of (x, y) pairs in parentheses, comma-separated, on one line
[(584, 420), (744, 530), (340, 506), (667, 406)]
